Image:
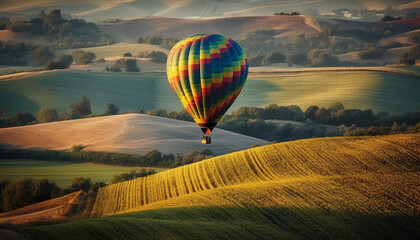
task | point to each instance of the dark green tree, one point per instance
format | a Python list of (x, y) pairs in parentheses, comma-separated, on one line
[(80, 183), (81, 57), (81, 108), (112, 109)]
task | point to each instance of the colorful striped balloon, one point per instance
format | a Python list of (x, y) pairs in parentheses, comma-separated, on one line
[(207, 72)]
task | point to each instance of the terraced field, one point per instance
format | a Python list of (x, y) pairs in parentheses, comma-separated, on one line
[(358, 187)]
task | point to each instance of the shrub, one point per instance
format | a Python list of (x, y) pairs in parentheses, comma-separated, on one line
[(322, 58), (77, 148), (124, 65), (81, 57), (406, 59), (41, 55), (415, 37), (371, 51), (127, 54), (80, 183), (22, 119), (99, 60), (299, 58), (46, 114), (63, 62)]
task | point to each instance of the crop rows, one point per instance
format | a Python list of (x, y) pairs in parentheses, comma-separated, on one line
[(312, 159)]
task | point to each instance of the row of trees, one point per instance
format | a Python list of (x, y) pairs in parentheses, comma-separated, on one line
[(257, 122), (156, 56), (157, 40), (152, 158), (27, 54), (78, 109), (116, 178)]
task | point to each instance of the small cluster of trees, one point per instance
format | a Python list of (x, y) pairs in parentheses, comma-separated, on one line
[(124, 65), (396, 128), (157, 40), (132, 175), (82, 57), (24, 54), (26, 191), (266, 59), (73, 33), (156, 56)]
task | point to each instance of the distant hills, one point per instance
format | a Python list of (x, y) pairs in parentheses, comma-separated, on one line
[(232, 26), (98, 10)]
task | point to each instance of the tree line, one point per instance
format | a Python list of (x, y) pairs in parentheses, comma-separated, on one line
[(251, 121), (153, 158)]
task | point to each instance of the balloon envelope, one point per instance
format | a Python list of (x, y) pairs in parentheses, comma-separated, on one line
[(207, 72)]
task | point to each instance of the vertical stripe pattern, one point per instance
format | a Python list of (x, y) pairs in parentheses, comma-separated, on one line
[(207, 72)]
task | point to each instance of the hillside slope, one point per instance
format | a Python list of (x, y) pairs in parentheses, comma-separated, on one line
[(94, 10), (57, 209), (327, 163), (232, 26), (128, 133), (329, 188)]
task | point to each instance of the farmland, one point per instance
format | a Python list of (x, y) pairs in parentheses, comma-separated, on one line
[(59, 172), (319, 188), (378, 91)]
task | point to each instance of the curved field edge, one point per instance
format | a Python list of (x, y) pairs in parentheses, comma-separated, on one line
[(340, 157), (236, 223)]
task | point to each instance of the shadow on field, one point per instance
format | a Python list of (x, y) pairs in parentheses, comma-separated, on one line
[(236, 223)]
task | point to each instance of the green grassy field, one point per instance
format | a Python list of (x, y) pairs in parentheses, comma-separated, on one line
[(59, 172), (116, 50), (396, 93)]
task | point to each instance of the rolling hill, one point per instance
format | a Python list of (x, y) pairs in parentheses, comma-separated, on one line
[(94, 10), (128, 133), (233, 27), (362, 88), (327, 188)]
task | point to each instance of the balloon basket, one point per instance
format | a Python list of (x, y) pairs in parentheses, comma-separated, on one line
[(206, 140)]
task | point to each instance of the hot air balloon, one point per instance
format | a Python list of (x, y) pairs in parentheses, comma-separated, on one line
[(207, 72)]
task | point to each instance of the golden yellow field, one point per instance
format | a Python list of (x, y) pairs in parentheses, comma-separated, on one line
[(368, 174)]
